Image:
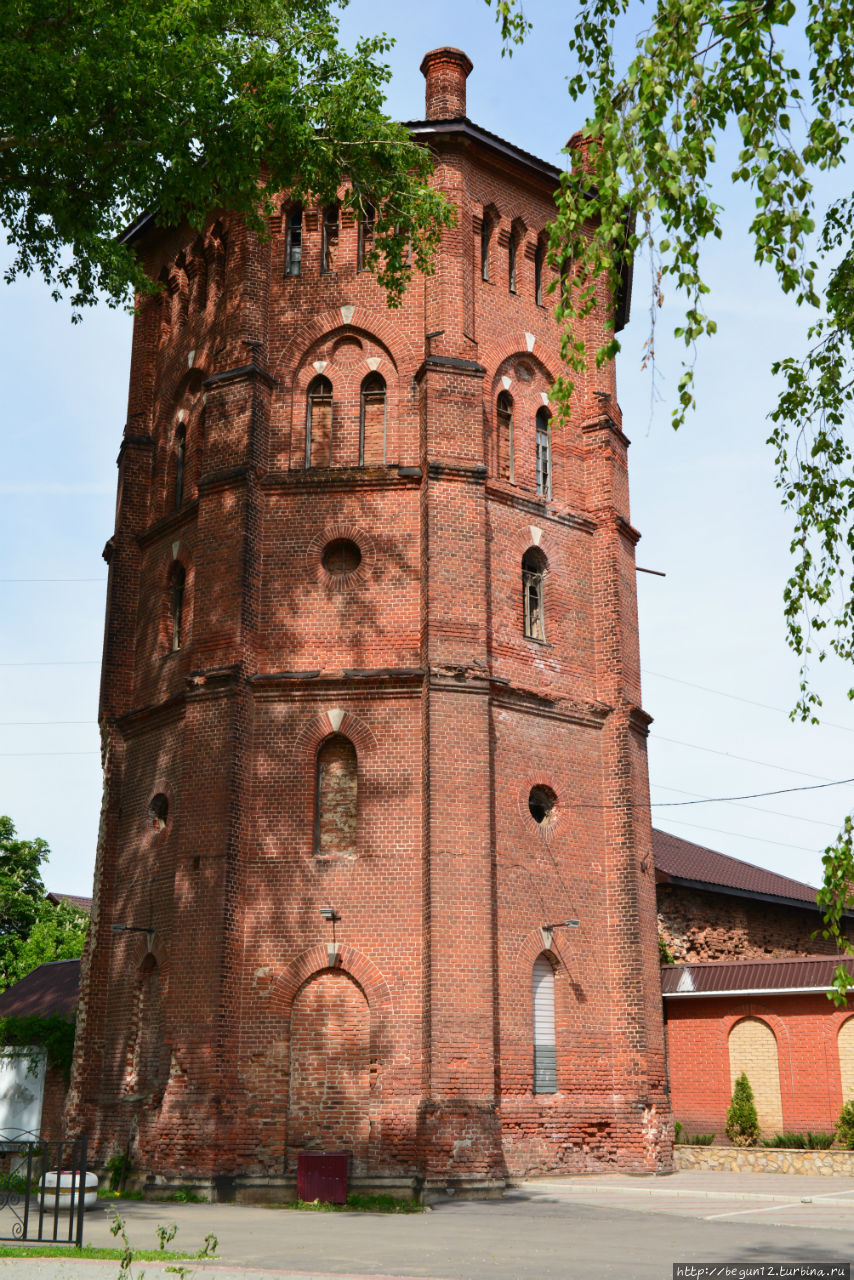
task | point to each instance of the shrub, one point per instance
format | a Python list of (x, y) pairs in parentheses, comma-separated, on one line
[(742, 1122), (790, 1141), (819, 1141), (677, 1131), (702, 1140), (845, 1126)]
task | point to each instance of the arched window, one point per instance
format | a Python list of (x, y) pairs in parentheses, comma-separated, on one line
[(318, 424), (336, 797), (544, 454), (366, 235), (545, 1050), (539, 263), (150, 1058), (533, 577), (372, 422), (486, 228), (180, 459), (845, 1044), (504, 416), (329, 239), (293, 242), (176, 605)]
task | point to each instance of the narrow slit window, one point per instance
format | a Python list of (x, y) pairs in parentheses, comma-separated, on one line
[(533, 582), (504, 412), (512, 255), (539, 263), (329, 240), (180, 461), (177, 606), (485, 237), (544, 454), (545, 1048), (293, 242), (373, 420), (366, 235), (318, 430)]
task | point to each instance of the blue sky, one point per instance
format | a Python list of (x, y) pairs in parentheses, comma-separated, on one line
[(703, 500)]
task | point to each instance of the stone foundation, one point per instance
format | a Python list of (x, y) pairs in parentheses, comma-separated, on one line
[(824, 1164)]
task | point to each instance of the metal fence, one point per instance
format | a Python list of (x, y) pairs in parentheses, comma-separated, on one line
[(42, 1189)]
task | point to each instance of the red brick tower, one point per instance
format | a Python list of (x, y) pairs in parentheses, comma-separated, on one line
[(371, 651)]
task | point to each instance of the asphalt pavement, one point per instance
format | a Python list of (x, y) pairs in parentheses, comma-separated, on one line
[(592, 1228)]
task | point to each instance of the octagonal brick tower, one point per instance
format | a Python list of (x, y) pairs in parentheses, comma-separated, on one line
[(371, 653)]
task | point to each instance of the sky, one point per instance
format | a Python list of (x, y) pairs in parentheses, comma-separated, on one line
[(718, 678)]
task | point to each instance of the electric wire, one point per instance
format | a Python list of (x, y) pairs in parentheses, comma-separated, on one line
[(776, 813), (734, 697)]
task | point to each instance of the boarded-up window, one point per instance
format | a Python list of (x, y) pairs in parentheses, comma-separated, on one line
[(180, 460), (372, 435), (504, 414), (330, 1069), (337, 786), (539, 263), (293, 242), (318, 452), (753, 1050), (545, 1052), (846, 1059), (150, 1067), (176, 605)]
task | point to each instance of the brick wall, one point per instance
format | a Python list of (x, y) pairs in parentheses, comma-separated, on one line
[(703, 925)]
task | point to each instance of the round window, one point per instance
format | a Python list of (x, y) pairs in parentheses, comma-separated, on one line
[(541, 803), (341, 556)]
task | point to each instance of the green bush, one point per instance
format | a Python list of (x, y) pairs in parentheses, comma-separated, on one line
[(702, 1140), (819, 1141), (742, 1122), (790, 1141), (677, 1131), (845, 1126)]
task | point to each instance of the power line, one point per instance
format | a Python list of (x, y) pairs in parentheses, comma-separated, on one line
[(103, 579), (751, 795), (94, 722), (17, 755), (677, 742), (777, 813), (734, 697), (696, 826), (86, 662)]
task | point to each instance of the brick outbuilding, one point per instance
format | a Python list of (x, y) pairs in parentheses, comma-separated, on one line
[(371, 714)]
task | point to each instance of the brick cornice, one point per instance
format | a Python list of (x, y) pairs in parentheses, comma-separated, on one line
[(540, 508), (339, 478), (605, 423), (170, 523), (460, 473), (449, 364), (241, 373)]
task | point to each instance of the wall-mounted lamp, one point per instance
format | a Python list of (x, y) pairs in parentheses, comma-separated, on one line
[(332, 916), (329, 913), (562, 924)]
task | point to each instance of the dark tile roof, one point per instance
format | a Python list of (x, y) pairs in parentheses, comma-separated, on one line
[(717, 977), (75, 900), (52, 988), (680, 861)]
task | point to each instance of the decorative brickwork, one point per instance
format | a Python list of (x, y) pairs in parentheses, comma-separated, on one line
[(352, 882)]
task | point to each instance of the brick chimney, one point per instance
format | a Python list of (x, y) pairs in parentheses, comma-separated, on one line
[(445, 71)]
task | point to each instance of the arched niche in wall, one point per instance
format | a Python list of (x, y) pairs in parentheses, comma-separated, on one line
[(753, 1050)]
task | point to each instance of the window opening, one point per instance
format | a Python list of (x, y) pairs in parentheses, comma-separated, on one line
[(545, 1048), (539, 261), (329, 241), (372, 421), (293, 242), (533, 577), (158, 811), (485, 237), (341, 556), (541, 805), (506, 461), (336, 797), (544, 454), (180, 458), (318, 449), (511, 261), (178, 581), (366, 235)]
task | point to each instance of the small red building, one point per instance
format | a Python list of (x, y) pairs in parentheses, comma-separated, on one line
[(771, 1019)]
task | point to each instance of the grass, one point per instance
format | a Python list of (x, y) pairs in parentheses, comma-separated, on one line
[(359, 1204), (104, 1193), (88, 1251)]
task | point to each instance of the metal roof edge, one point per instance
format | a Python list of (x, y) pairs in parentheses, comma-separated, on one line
[(745, 991)]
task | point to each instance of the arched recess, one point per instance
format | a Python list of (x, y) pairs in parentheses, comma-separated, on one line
[(753, 1050), (329, 1093), (336, 798), (845, 1045), (148, 1059)]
